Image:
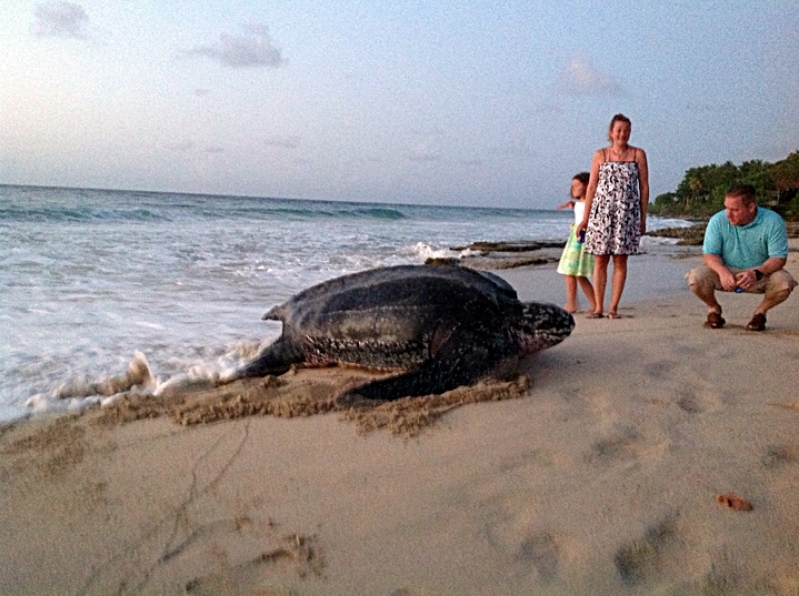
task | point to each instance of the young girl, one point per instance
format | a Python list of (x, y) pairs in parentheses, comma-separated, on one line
[(576, 264)]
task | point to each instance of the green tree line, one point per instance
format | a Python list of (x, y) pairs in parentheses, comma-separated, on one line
[(701, 192)]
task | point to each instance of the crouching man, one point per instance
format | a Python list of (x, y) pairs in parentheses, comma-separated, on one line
[(745, 250)]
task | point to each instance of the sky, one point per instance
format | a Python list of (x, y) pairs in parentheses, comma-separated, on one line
[(472, 103)]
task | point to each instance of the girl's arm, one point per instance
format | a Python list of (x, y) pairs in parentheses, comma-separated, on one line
[(566, 205)]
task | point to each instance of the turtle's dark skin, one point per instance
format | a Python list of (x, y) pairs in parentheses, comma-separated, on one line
[(443, 325)]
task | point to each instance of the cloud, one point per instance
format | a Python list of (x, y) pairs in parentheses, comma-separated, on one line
[(581, 78), (549, 108), (471, 163), (253, 49), (423, 153), (179, 146), (57, 18), (289, 142)]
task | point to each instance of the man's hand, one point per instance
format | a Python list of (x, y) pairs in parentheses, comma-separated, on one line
[(728, 281), (746, 279), (726, 277)]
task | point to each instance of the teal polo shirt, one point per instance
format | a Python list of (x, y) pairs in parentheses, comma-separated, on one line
[(745, 247)]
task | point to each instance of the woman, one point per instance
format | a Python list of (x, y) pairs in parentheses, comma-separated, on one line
[(615, 211)]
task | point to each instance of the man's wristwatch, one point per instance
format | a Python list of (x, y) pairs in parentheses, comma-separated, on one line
[(758, 274)]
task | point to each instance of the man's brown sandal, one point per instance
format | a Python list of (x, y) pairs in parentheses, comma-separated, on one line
[(714, 320), (758, 322)]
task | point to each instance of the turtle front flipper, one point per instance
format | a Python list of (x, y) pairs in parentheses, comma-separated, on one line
[(466, 357)]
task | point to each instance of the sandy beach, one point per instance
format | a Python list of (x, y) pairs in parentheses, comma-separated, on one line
[(610, 465)]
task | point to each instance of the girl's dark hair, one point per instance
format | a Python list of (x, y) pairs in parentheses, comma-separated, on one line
[(583, 177)]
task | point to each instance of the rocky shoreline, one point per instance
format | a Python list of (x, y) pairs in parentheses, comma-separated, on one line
[(503, 255), (694, 235), (510, 255)]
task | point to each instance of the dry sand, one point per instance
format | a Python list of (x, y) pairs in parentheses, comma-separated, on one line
[(608, 467)]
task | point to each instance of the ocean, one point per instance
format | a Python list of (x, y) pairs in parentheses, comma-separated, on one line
[(93, 280)]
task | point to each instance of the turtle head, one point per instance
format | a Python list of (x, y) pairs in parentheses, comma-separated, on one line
[(541, 326)]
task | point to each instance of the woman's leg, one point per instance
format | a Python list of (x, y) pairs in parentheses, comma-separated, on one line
[(600, 281), (619, 279), (588, 290)]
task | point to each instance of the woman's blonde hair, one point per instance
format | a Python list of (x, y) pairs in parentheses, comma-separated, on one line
[(615, 119)]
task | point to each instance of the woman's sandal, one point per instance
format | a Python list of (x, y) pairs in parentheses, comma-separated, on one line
[(614, 315), (595, 315)]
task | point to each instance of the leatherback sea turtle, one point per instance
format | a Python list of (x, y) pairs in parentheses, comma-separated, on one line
[(444, 325)]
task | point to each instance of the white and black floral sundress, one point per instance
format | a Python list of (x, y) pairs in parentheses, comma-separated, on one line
[(614, 225)]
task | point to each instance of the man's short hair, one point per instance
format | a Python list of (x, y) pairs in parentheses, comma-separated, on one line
[(745, 192)]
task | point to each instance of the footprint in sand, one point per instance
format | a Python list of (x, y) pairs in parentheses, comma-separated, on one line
[(413, 592), (535, 552), (778, 455), (662, 369), (696, 403), (651, 556), (300, 552), (619, 444), (542, 552), (624, 444)]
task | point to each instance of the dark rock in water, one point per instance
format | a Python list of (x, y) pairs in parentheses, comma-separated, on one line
[(489, 247), (691, 236), (443, 261), (496, 263), (695, 235), (503, 255), (522, 262)]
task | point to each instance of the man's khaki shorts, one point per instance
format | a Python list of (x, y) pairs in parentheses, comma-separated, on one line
[(704, 278)]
